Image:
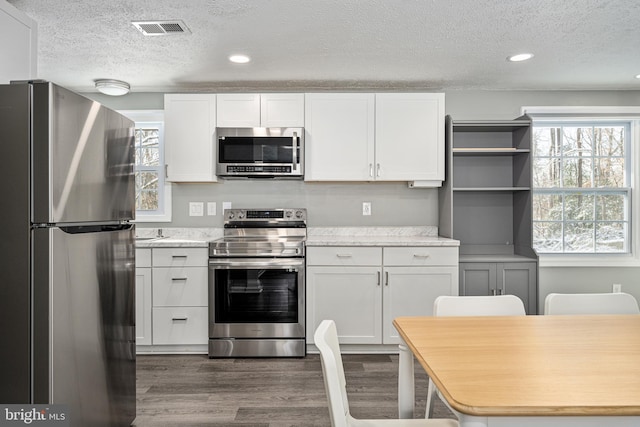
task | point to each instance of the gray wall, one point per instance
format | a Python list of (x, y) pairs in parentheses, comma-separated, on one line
[(340, 204)]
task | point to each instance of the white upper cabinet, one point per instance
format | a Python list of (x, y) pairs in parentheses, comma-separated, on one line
[(375, 137), (410, 137), (190, 125), (282, 110), (256, 110), (339, 136), (18, 45)]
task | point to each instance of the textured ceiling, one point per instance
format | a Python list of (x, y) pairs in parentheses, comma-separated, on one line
[(341, 44)]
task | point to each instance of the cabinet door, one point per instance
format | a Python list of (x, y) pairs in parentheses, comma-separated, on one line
[(411, 291), (410, 137), (143, 306), (339, 137), (351, 296), (282, 110), (478, 278), (18, 44), (190, 124), (238, 110), (519, 279)]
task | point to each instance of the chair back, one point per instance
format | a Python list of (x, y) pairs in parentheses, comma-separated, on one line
[(494, 305), (326, 339), (606, 303)]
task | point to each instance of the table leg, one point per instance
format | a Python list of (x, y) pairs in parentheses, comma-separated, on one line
[(406, 383)]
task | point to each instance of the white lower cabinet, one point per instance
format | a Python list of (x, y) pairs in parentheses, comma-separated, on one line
[(174, 290), (364, 288), (348, 295), (143, 297), (180, 325)]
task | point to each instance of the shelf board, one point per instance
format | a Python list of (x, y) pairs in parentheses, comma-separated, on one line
[(489, 151), (500, 189), (489, 125)]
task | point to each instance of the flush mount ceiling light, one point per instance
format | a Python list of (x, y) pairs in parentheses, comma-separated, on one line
[(239, 59), (112, 87), (519, 57), (638, 76)]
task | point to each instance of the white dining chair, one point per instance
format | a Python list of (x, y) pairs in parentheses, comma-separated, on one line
[(605, 303), (493, 305), (326, 339)]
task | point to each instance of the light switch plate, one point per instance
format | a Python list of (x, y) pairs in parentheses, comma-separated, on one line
[(196, 208), (212, 208)]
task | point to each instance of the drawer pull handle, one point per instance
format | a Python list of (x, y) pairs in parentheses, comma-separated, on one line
[(179, 279), (344, 255), (178, 256), (421, 255), (179, 319)]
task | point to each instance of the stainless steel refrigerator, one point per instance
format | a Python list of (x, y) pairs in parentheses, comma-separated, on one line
[(67, 302)]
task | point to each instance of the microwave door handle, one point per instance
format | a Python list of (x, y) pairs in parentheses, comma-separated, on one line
[(295, 150)]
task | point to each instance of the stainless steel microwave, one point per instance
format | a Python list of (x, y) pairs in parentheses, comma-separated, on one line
[(260, 152)]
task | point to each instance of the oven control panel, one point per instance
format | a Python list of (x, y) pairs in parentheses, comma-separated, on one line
[(261, 215)]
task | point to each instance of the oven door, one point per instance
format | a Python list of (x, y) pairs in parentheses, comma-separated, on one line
[(256, 298)]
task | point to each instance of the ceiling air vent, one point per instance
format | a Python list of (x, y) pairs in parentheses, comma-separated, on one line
[(161, 28)]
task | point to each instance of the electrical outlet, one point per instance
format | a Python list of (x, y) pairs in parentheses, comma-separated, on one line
[(617, 287), (366, 208), (212, 207), (225, 206), (196, 208)]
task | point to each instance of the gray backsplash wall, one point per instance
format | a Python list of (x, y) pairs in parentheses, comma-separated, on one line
[(340, 204), (328, 204)]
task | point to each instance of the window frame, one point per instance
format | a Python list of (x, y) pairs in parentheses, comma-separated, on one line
[(543, 115), (141, 117)]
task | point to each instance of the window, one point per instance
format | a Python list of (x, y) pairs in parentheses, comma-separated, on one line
[(584, 209), (582, 187), (153, 193)]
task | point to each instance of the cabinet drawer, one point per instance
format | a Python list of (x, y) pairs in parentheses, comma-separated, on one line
[(344, 255), (420, 255), (177, 286), (180, 257), (180, 325)]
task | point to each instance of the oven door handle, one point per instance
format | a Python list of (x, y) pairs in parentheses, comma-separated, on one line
[(251, 263)]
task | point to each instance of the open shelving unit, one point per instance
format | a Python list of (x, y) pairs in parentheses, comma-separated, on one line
[(486, 203)]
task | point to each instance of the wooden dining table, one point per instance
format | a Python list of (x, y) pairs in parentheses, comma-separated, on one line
[(579, 370)]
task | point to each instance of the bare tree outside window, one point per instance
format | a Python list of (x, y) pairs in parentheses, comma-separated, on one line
[(147, 161), (581, 188)]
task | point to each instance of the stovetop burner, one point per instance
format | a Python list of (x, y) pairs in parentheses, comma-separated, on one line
[(262, 233)]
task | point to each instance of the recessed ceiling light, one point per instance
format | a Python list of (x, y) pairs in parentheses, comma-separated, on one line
[(520, 57), (239, 59), (638, 76), (112, 87)]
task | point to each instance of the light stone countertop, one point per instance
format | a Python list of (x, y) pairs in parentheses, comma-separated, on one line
[(176, 237), (316, 236), (377, 236)]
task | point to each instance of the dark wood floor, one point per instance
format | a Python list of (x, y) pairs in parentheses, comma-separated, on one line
[(195, 391)]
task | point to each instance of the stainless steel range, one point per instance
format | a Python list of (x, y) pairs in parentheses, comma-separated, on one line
[(257, 284)]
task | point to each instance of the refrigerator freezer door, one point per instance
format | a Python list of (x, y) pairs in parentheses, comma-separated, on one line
[(84, 324), (82, 159)]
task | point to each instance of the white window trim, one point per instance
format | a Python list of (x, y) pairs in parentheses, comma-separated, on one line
[(140, 116), (621, 113)]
